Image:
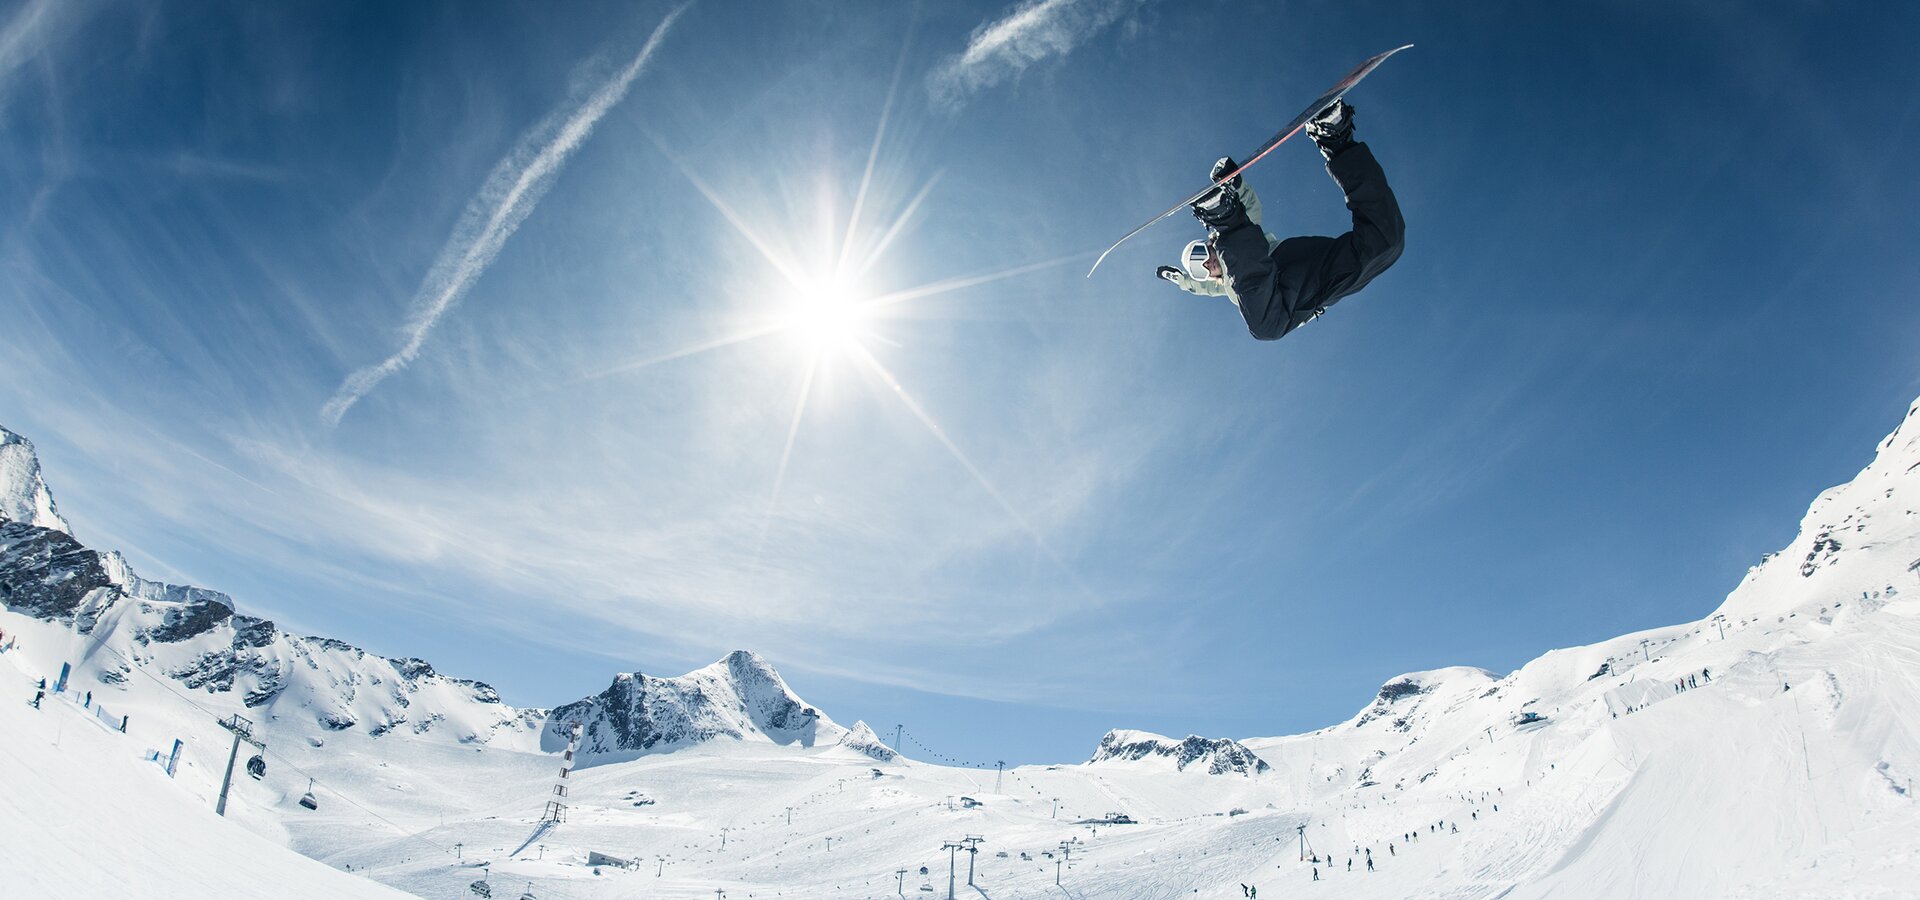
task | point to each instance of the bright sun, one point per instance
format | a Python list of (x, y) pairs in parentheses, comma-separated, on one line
[(827, 314)]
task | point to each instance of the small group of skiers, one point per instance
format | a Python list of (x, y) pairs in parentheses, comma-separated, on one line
[(1280, 285)]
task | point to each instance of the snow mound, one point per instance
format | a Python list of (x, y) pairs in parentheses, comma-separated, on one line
[(740, 697), (1217, 756), (23, 495)]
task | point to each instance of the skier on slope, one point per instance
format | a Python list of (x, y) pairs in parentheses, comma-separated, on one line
[(1280, 285)]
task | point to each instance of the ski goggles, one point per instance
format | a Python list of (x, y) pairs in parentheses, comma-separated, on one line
[(1195, 260)]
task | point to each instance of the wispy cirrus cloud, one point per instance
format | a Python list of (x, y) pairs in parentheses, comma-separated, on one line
[(24, 36), (1034, 31), (506, 198)]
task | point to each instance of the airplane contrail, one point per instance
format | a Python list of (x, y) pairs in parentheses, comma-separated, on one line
[(510, 193)]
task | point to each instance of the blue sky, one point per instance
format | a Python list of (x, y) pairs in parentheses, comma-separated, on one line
[(462, 331)]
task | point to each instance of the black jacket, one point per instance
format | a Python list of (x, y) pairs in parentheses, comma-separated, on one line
[(1282, 290)]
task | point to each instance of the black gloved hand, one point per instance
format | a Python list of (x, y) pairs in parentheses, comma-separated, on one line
[(1169, 273), (1332, 129)]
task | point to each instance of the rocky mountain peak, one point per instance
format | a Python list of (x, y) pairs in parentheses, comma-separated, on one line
[(24, 496), (740, 697)]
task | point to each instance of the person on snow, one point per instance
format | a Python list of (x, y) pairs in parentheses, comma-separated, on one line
[(1280, 285)]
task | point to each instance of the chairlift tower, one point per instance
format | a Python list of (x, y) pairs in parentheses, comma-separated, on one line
[(973, 842), (953, 849), (1306, 846), (242, 731), (556, 811), (999, 769)]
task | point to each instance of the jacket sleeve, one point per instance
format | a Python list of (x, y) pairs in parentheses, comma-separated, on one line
[(1280, 290)]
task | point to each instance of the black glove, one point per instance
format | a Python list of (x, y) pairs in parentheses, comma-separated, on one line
[(1332, 129), (1169, 273)]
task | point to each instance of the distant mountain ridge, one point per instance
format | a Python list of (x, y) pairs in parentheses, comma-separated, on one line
[(194, 637), (1216, 756)]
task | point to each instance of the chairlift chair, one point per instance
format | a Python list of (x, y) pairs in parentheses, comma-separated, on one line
[(257, 767), (307, 800)]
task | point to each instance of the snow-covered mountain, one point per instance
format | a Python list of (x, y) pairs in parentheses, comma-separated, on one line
[(113, 620), (1857, 540), (740, 697), (23, 495), (1769, 750), (1215, 756), (1791, 706)]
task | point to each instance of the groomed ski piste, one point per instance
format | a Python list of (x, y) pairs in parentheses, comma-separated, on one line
[(1768, 750)]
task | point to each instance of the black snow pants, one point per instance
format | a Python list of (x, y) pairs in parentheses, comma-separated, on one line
[(1282, 290)]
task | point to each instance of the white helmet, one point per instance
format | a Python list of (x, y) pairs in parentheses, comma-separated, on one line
[(1195, 260)]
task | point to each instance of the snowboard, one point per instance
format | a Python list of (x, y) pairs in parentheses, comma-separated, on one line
[(1339, 89)]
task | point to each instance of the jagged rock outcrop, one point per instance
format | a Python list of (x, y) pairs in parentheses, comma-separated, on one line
[(47, 574), (1215, 756)]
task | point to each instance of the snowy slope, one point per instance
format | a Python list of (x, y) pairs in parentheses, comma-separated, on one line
[(1729, 755), (82, 815), (23, 495)]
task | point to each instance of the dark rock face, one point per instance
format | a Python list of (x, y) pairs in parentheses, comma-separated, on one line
[(45, 573), (1390, 693), (1397, 689), (637, 717), (737, 697), (187, 621)]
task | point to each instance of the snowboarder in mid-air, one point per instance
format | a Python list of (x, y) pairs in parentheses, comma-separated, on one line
[(1280, 285)]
